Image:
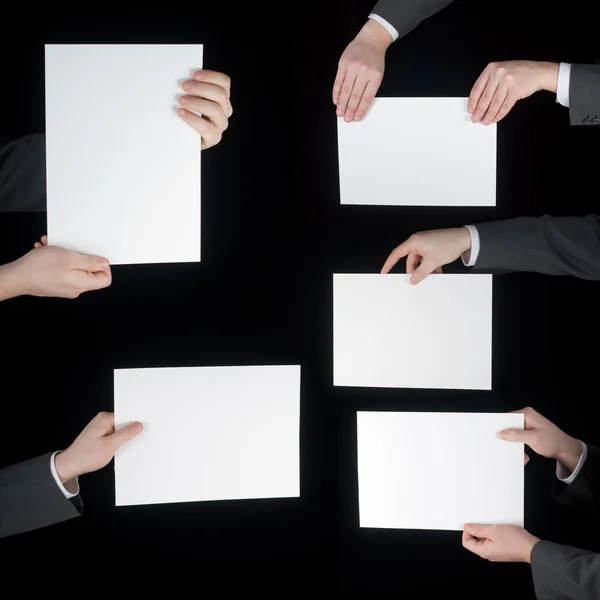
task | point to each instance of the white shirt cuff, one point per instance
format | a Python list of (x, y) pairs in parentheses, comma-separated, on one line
[(64, 490), (564, 80), (563, 473), (388, 26), (469, 257)]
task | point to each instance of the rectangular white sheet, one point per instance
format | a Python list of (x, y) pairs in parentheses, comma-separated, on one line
[(438, 470), (210, 433), (389, 333), (123, 169), (417, 152)]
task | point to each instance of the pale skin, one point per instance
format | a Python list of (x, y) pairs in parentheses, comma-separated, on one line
[(499, 87), (93, 448), (50, 271), (510, 543)]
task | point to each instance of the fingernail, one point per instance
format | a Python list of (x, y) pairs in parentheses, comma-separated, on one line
[(347, 118), (138, 427), (486, 121), (181, 112), (186, 85), (198, 75), (335, 101), (501, 434), (339, 112), (469, 110), (357, 117), (183, 99)]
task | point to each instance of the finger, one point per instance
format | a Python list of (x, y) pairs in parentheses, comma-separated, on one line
[(206, 108), (360, 85), (478, 531), (485, 100), (425, 268), (477, 90), (125, 434), (438, 271), (496, 103), (84, 281), (399, 252), (526, 458), (337, 84), (515, 435), (509, 102), (368, 97), (412, 262), (103, 423), (44, 240), (208, 131), (347, 88), (37, 245), (89, 262), (471, 543), (214, 77), (209, 91)]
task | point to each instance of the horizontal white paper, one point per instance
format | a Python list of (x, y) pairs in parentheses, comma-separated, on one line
[(389, 333), (210, 433), (123, 169), (417, 152), (438, 470)]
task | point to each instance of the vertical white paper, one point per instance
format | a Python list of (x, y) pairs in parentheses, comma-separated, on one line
[(123, 169), (210, 433), (389, 333), (417, 152), (438, 470)]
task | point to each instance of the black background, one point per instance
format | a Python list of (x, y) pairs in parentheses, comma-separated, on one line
[(273, 232)]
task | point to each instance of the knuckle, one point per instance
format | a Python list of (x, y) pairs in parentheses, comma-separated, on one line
[(501, 71)]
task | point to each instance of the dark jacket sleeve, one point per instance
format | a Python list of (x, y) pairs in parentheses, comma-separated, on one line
[(584, 95), (584, 491), (30, 498), (550, 245), (565, 573), (405, 15), (23, 174)]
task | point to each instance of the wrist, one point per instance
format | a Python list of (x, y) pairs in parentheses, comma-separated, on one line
[(64, 467), (375, 34), (549, 76), (570, 453), (10, 284), (529, 549)]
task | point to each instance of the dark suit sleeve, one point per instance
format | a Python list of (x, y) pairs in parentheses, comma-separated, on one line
[(405, 15), (565, 573), (584, 491), (584, 95), (23, 174), (30, 498), (550, 245)]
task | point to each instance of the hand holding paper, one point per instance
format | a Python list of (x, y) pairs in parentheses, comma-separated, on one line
[(50, 271), (426, 252), (499, 543), (94, 447), (207, 94)]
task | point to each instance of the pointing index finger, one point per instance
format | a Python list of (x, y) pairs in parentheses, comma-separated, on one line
[(400, 252)]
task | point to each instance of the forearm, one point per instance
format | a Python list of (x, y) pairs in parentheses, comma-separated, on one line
[(565, 572), (9, 284), (406, 15), (554, 246)]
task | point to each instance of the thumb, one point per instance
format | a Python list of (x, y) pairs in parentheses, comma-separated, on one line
[(425, 268), (126, 433), (91, 263), (479, 531), (516, 435)]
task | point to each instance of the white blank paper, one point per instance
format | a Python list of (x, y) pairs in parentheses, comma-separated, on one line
[(123, 169), (210, 433), (438, 470), (389, 333), (417, 152)]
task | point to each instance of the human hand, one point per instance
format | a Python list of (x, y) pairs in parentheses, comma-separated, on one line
[(502, 84), (43, 242), (51, 271), (360, 71), (546, 439), (426, 252), (499, 543), (208, 94), (94, 447)]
